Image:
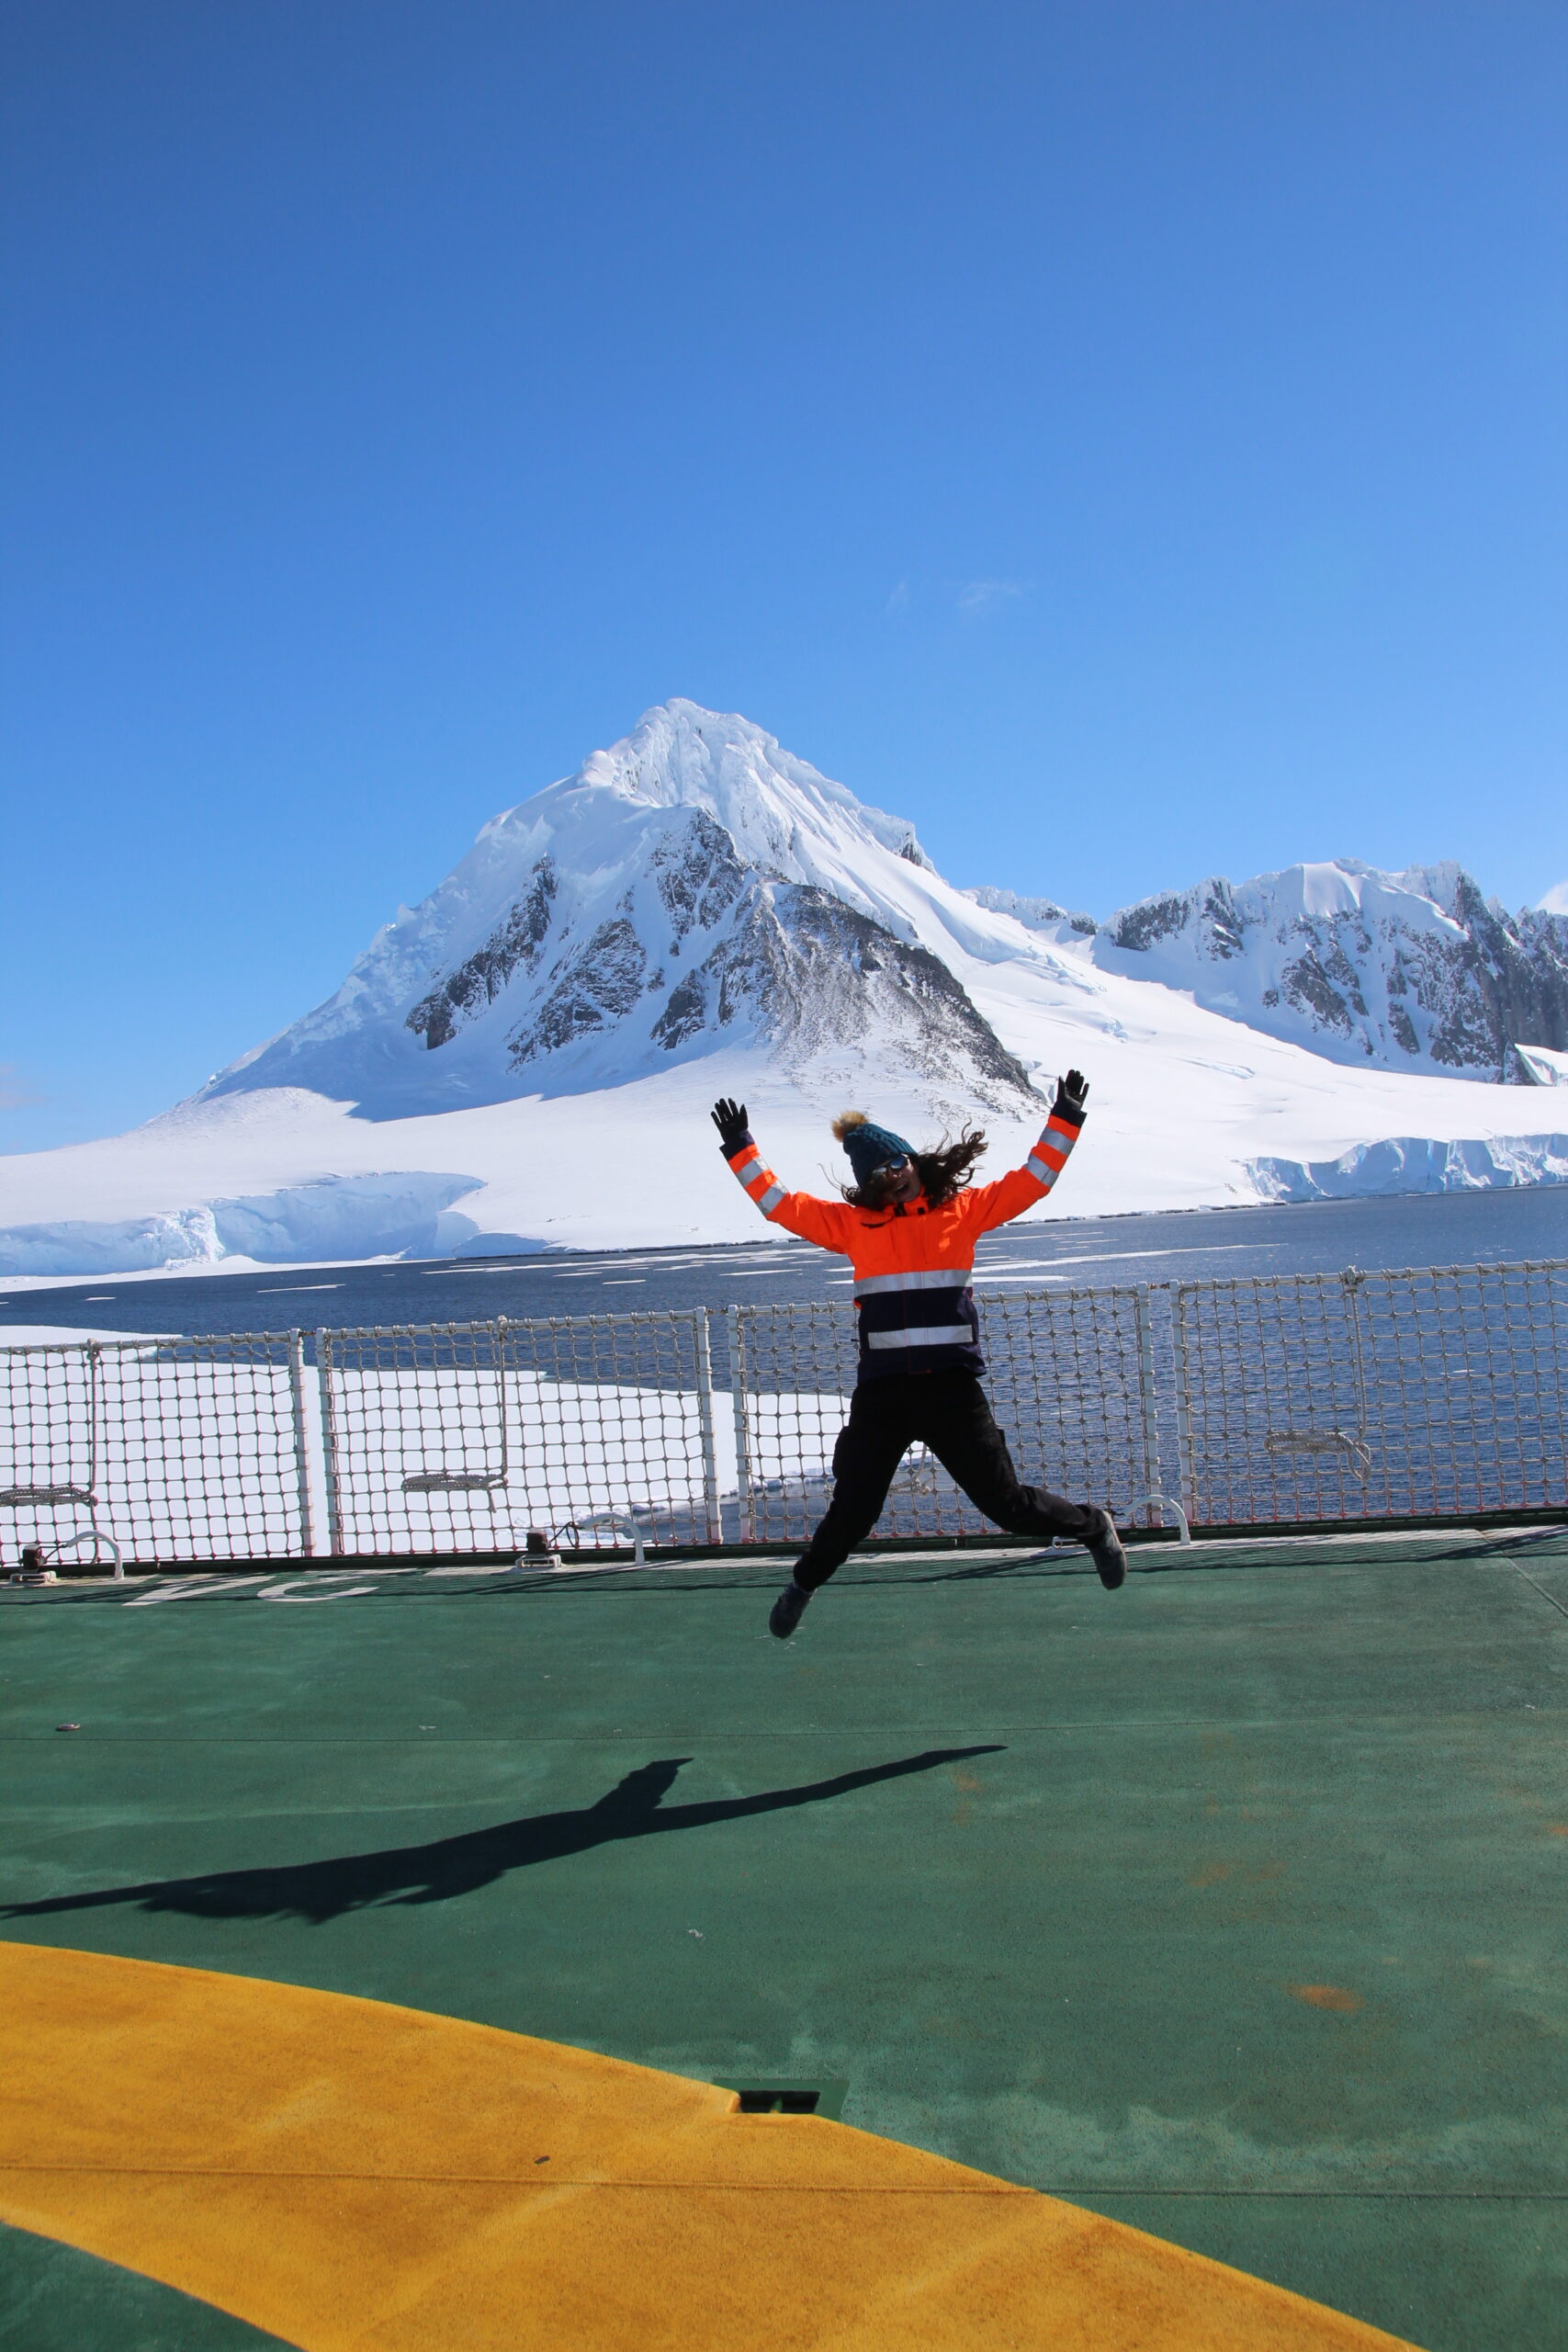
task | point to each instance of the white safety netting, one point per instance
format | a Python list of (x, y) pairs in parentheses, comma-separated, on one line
[(1431, 1392), (1428, 1391), (173, 1449), (595, 1429), (1068, 1373)]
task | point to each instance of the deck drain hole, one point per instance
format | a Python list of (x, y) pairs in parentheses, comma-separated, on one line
[(756, 2097)]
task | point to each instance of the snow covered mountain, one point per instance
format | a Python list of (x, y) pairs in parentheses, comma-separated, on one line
[(1043, 915), (1413, 971), (694, 888), (526, 1059)]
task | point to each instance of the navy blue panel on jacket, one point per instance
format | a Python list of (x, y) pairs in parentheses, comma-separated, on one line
[(917, 1322)]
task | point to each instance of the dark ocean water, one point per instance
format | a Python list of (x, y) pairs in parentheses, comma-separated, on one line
[(1462, 1229)]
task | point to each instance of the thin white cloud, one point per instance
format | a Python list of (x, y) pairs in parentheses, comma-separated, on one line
[(1556, 899), (15, 1096), (983, 595), (899, 602)]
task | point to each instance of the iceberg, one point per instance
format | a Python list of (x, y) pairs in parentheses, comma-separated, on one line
[(1415, 1164), (406, 1214)]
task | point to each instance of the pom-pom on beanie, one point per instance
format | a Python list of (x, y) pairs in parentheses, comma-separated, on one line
[(869, 1146)]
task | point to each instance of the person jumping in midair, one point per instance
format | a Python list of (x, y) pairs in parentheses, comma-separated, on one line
[(909, 1225)]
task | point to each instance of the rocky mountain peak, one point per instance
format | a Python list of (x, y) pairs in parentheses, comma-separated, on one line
[(693, 887), (1414, 970)]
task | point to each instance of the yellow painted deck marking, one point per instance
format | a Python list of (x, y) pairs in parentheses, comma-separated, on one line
[(349, 2175)]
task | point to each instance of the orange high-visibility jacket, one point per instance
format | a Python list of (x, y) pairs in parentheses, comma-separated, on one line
[(914, 1265)]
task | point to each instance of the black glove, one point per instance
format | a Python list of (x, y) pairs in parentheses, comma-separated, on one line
[(1071, 1093), (729, 1118)]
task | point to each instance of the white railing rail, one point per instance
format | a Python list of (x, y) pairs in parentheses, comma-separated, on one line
[(1424, 1393)]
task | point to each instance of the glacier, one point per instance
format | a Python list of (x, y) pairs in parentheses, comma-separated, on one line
[(334, 1218), (1412, 1164), (699, 912)]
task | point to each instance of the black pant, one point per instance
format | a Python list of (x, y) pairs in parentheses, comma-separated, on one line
[(948, 1412)]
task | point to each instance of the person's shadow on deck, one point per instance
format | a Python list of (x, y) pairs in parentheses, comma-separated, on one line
[(447, 1867)]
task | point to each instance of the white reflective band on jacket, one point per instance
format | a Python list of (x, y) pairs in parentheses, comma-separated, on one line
[(913, 1266)]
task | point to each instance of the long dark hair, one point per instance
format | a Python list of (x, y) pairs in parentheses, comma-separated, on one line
[(942, 1173)]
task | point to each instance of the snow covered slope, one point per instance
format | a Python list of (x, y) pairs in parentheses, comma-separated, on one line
[(1543, 1067), (527, 1059), (1043, 915), (1414, 970)]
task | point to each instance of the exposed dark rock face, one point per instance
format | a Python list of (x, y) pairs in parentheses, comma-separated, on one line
[(697, 876), (515, 944), (1403, 1028), (1035, 914), (686, 1013), (1321, 983), (1211, 906), (599, 985), (1227, 924), (811, 974), (1306, 984), (1379, 978), (786, 964), (1138, 927), (1507, 985), (693, 944)]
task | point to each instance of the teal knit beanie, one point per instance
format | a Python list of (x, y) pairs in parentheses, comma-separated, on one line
[(869, 1146)]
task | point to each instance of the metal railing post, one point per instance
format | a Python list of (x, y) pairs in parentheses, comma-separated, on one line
[(711, 1513), (95, 1384), (744, 1523), (302, 1449), (1353, 1282), (1146, 1389), (1184, 1479), (329, 1443), (498, 1357)]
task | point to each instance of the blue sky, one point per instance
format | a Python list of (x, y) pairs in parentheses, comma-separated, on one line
[(1127, 438)]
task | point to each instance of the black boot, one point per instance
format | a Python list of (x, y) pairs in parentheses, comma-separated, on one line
[(1105, 1550), (788, 1610)]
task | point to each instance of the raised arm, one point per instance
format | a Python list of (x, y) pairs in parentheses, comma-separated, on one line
[(824, 1222), (993, 1205)]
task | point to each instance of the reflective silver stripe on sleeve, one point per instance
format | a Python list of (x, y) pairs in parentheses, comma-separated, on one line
[(1054, 1140), (750, 1173), (929, 1335), (945, 1278), (771, 1198)]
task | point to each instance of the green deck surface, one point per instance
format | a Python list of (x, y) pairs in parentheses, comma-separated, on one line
[(53, 2295), (1242, 1919)]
